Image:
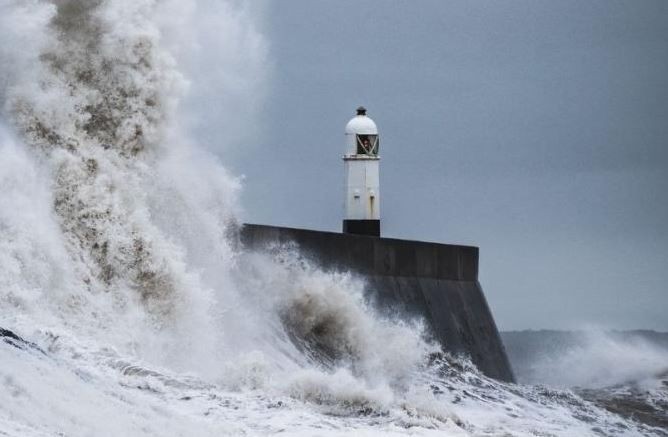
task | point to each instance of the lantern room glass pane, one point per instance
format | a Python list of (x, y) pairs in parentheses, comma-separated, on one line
[(367, 144)]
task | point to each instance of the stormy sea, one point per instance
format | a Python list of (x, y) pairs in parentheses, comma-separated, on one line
[(129, 308)]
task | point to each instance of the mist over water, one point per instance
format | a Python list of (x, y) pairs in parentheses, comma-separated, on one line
[(591, 358), (121, 269)]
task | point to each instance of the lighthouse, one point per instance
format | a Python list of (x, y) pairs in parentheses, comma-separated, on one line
[(437, 282), (362, 188)]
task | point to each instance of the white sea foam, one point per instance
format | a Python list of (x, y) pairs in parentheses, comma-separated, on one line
[(119, 263), (594, 358)]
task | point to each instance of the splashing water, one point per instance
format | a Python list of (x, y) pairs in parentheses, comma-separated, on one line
[(119, 264)]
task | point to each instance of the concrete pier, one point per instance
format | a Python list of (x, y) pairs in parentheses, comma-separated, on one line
[(437, 282)]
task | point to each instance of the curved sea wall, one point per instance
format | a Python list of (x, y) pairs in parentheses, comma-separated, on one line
[(436, 282)]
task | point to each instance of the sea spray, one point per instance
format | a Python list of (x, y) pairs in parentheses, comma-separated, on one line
[(146, 221), (94, 111)]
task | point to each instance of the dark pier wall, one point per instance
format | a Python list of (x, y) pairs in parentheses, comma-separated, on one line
[(438, 282)]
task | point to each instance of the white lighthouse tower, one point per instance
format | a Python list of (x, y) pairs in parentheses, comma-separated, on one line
[(361, 162)]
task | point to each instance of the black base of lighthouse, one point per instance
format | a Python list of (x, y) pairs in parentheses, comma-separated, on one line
[(362, 227)]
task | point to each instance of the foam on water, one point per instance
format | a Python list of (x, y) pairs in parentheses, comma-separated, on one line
[(596, 359), (119, 262)]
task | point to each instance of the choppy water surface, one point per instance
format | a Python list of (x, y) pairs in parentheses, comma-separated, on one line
[(127, 306)]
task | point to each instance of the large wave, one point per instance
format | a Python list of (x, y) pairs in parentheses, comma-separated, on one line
[(144, 221), (119, 261)]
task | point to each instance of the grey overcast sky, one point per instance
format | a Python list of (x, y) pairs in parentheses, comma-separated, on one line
[(536, 130)]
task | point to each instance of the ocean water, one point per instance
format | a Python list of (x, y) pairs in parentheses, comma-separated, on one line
[(128, 307)]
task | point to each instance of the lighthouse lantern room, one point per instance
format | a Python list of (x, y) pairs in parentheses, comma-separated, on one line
[(361, 162)]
